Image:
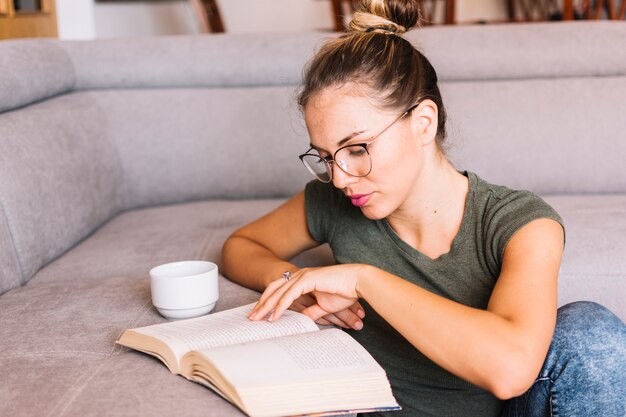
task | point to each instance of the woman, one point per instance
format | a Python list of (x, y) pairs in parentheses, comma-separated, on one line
[(457, 277)]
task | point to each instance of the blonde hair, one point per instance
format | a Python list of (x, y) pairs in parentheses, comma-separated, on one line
[(374, 54), (382, 16)]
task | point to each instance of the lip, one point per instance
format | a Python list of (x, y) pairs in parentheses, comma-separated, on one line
[(359, 200)]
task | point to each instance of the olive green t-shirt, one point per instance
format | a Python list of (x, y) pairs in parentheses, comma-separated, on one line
[(466, 274)]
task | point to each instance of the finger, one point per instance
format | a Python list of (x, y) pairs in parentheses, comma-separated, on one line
[(315, 312), (332, 318), (286, 295), (358, 309), (272, 302), (269, 290), (350, 318), (323, 322), (307, 300), (297, 306), (301, 303)]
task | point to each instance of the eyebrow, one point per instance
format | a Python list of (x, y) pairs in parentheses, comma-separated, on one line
[(341, 142)]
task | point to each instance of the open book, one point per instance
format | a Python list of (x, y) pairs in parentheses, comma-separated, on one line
[(282, 368)]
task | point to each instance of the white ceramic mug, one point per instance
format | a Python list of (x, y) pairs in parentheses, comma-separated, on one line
[(184, 289)]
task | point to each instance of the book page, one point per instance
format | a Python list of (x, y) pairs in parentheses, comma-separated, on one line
[(300, 374), (225, 328), (292, 359)]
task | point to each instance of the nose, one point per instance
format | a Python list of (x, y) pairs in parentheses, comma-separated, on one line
[(340, 178)]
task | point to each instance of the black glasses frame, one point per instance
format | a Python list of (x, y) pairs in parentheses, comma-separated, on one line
[(330, 161)]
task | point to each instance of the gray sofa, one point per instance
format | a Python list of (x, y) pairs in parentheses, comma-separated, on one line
[(119, 155)]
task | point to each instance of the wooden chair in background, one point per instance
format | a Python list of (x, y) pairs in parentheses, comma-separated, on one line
[(208, 14), (428, 10), (593, 10), (537, 10)]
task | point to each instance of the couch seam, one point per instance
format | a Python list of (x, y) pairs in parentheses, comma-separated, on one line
[(209, 237), (16, 252), (51, 353), (130, 325), (59, 46), (117, 209), (77, 388), (120, 205)]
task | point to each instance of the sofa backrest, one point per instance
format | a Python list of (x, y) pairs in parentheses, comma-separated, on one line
[(88, 129), (59, 179), (535, 106), (200, 117)]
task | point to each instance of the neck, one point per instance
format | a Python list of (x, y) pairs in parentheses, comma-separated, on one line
[(431, 216)]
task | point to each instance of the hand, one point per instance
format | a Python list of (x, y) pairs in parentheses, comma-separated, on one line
[(348, 318), (335, 289)]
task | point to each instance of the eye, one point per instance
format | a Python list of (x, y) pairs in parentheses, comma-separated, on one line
[(357, 151)]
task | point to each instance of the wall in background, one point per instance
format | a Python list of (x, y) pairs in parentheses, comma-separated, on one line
[(86, 19), (118, 19), (75, 19), (276, 15)]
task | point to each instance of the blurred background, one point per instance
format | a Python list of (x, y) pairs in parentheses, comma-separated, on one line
[(89, 19)]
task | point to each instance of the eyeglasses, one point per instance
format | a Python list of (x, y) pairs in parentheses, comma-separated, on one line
[(352, 159)]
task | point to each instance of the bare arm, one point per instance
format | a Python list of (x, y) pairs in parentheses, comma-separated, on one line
[(500, 349), (258, 253)]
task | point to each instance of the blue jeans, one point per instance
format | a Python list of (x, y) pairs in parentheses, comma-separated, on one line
[(584, 373)]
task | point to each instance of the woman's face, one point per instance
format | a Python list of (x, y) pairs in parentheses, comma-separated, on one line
[(338, 117)]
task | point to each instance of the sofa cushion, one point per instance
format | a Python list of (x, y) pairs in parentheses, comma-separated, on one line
[(212, 143), (58, 345), (233, 60), (594, 265), (62, 325), (137, 240), (135, 384), (535, 50), (33, 71), (10, 271), (547, 135), (59, 178), (43, 384)]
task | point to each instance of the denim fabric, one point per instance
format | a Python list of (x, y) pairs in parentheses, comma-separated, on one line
[(584, 373)]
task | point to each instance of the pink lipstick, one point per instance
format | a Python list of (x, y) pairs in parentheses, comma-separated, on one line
[(359, 200)]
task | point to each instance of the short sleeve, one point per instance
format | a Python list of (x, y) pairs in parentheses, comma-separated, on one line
[(322, 202), (510, 211)]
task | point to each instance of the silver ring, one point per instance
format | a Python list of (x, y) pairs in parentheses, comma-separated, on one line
[(287, 276)]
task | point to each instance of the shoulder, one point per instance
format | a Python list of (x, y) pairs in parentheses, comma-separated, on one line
[(498, 202), (502, 211)]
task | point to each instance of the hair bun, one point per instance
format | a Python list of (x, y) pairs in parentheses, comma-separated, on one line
[(387, 16)]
